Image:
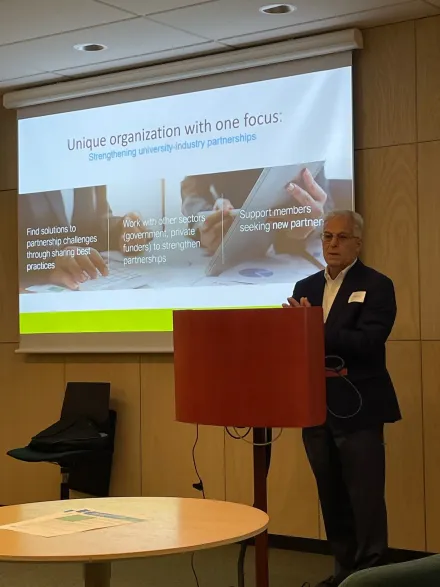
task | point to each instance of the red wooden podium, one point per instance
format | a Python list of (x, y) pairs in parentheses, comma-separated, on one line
[(259, 368)]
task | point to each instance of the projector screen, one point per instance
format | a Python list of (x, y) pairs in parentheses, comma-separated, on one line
[(211, 198)]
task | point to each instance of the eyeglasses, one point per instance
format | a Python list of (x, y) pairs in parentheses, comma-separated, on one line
[(341, 237)]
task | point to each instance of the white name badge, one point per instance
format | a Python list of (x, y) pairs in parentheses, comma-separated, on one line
[(357, 296)]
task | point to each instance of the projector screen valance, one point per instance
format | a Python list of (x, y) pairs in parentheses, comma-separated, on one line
[(205, 193)]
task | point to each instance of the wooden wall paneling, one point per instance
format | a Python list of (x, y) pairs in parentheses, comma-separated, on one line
[(293, 498), (123, 372), (385, 87), (8, 149), (167, 463), (429, 237), (32, 391), (387, 198), (431, 430), (239, 471), (8, 267), (404, 448), (428, 78)]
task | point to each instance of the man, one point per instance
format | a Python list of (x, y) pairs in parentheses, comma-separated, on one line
[(347, 453), (86, 209)]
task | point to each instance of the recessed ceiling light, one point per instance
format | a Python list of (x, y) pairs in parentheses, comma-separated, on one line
[(277, 9), (90, 47)]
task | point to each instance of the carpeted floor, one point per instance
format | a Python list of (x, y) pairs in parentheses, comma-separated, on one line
[(215, 568)]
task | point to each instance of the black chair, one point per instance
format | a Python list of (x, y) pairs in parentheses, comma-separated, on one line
[(83, 470)]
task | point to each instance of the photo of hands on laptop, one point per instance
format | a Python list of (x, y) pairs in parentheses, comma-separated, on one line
[(213, 229)]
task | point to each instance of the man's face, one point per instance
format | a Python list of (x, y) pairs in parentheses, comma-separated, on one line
[(340, 246)]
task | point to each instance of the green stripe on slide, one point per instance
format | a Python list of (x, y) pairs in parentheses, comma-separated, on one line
[(97, 321), (103, 321)]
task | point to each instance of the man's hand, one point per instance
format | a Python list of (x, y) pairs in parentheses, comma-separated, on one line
[(313, 197), (72, 270), (292, 303), (136, 232), (215, 227)]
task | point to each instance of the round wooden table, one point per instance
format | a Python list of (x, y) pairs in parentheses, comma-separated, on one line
[(172, 525)]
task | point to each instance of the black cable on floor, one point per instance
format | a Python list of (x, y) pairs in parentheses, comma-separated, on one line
[(193, 568), (244, 545), (199, 487), (240, 565)]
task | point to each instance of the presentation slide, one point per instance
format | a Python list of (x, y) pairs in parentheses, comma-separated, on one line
[(210, 199)]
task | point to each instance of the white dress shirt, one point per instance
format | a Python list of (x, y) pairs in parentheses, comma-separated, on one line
[(331, 289)]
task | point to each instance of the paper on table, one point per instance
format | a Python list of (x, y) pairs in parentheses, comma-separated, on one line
[(70, 522)]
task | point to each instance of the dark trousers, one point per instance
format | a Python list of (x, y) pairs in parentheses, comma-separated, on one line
[(349, 468)]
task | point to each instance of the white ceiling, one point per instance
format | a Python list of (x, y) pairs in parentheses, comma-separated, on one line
[(37, 36)]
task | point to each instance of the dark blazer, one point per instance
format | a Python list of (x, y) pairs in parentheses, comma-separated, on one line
[(92, 216), (357, 333)]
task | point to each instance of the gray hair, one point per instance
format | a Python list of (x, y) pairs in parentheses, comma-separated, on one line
[(357, 220)]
